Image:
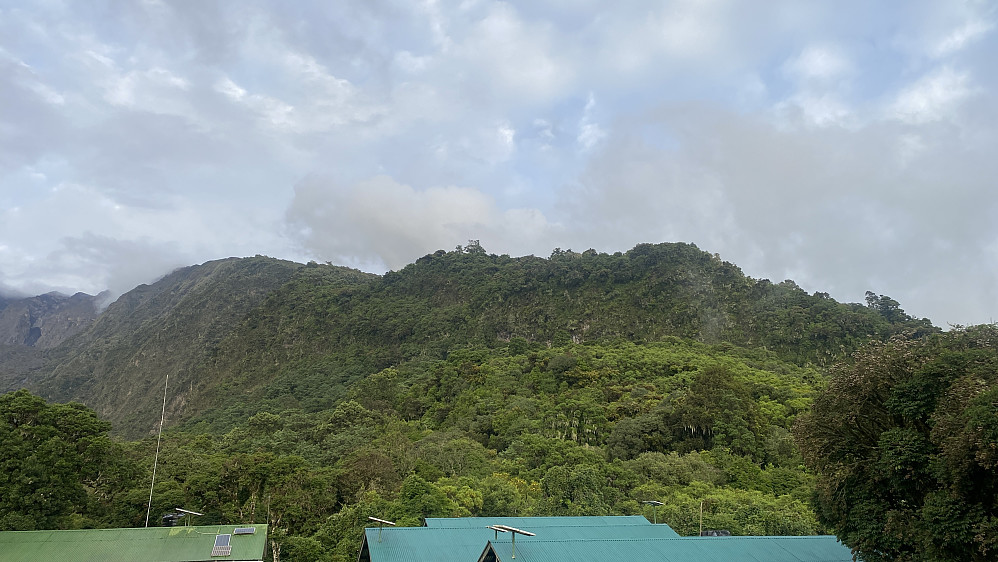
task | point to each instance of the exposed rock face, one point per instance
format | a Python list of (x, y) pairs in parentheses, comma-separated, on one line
[(47, 320)]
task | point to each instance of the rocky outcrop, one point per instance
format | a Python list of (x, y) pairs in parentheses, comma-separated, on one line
[(47, 320)]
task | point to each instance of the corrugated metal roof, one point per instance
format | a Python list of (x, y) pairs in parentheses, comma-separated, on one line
[(152, 544), (685, 549), (423, 543), (464, 541), (574, 521), (441, 538), (588, 538)]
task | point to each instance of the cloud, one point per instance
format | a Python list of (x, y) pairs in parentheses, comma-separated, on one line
[(590, 133), (961, 37), (118, 245), (838, 210), (385, 224), (933, 97), (785, 135), (819, 63)]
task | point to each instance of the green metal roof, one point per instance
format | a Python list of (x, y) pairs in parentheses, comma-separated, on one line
[(685, 549), (152, 544)]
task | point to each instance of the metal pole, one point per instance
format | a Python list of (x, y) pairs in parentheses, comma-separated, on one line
[(514, 546), (158, 439)]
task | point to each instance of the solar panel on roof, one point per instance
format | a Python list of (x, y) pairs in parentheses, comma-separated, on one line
[(222, 547), (244, 531)]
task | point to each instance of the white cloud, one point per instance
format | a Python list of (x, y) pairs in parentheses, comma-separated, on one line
[(961, 37), (821, 63), (230, 89), (410, 63), (380, 220), (514, 57), (785, 135), (827, 207), (933, 97), (590, 133)]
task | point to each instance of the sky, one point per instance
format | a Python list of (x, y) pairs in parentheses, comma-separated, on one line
[(847, 145)]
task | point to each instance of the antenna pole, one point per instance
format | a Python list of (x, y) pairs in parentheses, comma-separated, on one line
[(158, 439)]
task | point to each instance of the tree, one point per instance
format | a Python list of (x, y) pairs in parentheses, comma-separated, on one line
[(52, 456), (905, 444)]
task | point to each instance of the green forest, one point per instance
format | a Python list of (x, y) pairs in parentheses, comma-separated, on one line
[(470, 384)]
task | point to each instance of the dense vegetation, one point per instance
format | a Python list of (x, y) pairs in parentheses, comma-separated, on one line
[(240, 334), (905, 442), (316, 333), (577, 429), (311, 396), (118, 365)]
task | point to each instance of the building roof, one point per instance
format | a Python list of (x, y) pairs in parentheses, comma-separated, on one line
[(461, 539), (566, 521), (685, 549), (151, 544), (423, 543), (572, 539)]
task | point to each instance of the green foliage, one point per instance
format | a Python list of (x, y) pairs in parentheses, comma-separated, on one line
[(56, 462), (324, 330), (119, 364), (469, 384), (482, 432), (904, 441)]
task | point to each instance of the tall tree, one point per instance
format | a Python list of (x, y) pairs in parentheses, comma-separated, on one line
[(51, 456), (905, 442)]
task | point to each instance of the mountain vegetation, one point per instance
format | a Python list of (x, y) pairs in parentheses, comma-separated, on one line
[(312, 396), (119, 363), (316, 333)]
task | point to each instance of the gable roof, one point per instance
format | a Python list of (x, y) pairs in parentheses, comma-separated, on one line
[(685, 549), (149, 544)]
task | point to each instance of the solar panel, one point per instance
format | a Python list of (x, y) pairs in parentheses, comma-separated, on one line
[(244, 531), (221, 547)]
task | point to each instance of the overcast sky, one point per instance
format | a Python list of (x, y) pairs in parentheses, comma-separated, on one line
[(847, 145)]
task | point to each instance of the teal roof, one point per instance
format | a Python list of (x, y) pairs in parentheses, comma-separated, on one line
[(423, 543), (462, 539), (152, 544), (580, 521), (685, 549), (574, 539)]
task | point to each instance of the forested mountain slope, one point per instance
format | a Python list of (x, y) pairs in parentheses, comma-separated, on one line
[(238, 335), (118, 366), (313, 335), (312, 396)]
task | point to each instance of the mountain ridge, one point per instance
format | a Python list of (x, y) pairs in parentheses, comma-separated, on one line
[(241, 334)]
